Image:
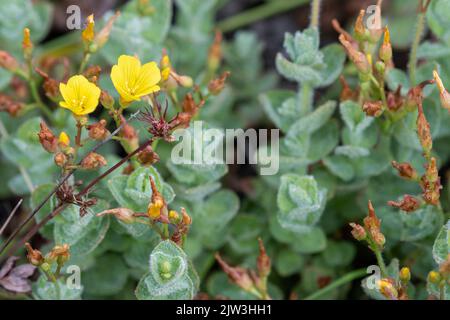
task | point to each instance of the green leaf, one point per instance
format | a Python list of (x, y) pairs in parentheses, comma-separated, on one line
[(438, 18), (281, 107), (288, 262), (352, 152), (340, 166), (420, 223), (107, 277), (300, 202), (313, 121), (339, 254), (244, 229), (441, 247), (334, 58), (171, 275), (83, 234), (43, 289)]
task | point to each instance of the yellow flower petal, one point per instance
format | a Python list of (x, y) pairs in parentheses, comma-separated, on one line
[(80, 96)]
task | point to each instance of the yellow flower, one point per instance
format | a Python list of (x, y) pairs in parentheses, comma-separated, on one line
[(132, 80), (80, 96)]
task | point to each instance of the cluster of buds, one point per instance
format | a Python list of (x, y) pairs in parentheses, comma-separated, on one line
[(58, 256), (182, 224), (254, 282), (370, 231), (395, 290), (359, 49), (64, 153), (7, 104)]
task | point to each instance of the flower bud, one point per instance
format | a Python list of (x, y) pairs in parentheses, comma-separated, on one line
[(102, 37), (444, 95), (263, 261), (147, 156), (423, 131), (63, 140), (216, 86), (93, 73), (34, 256), (237, 275), (187, 220), (8, 62), (395, 100), (27, 45), (215, 53), (59, 253), (47, 139), (408, 204), (106, 100), (358, 232), (165, 66), (386, 48), (157, 203), (60, 159), (373, 108), (434, 277), (388, 289), (405, 274), (88, 33), (123, 214), (173, 216), (98, 131), (405, 170), (9, 105), (360, 30), (93, 161), (358, 58)]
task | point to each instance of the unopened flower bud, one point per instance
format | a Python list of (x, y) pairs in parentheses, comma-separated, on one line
[(93, 161), (27, 45), (88, 33), (148, 156), (47, 139), (358, 58), (98, 131), (405, 170), (216, 86), (106, 100), (187, 220), (173, 216), (60, 159), (8, 62), (93, 73), (386, 48), (407, 204), (157, 203), (395, 100), (237, 275), (444, 95), (263, 261), (59, 253), (360, 30), (34, 256), (358, 232), (434, 277), (102, 37), (388, 289), (123, 214), (423, 131), (63, 140), (373, 108), (405, 274), (215, 53)]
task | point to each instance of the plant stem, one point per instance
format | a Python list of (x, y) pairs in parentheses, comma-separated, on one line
[(315, 13), (380, 261), (38, 100), (84, 62), (255, 14), (420, 26), (349, 277)]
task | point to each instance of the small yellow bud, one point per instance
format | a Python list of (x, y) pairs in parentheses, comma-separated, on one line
[(434, 277), (88, 33), (173, 215), (444, 95), (26, 43), (63, 140), (387, 289), (405, 274), (154, 209)]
